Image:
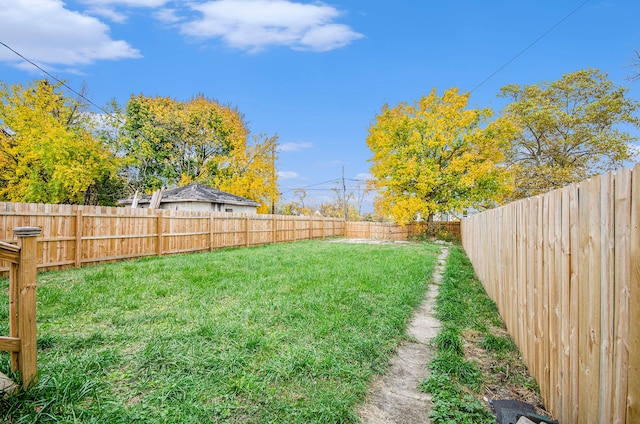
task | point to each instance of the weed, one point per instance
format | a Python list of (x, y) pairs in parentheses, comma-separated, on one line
[(438, 383), (448, 340), (460, 410), (455, 366), (498, 344)]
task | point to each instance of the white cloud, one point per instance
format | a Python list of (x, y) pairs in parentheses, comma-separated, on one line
[(294, 147), (47, 33), (364, 176), (107, 8), (108, 13), (287, 175), (168, 16), (127, 3), (253, 25), (328, 37)]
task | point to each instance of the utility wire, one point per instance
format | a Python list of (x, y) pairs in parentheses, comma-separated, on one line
[(312, 185), (335, 181), (64, 84), (89, 101), (529, 46)]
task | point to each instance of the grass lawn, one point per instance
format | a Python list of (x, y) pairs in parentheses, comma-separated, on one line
[(279, 333)]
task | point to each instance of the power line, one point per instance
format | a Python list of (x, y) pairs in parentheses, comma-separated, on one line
[(312, 185), (529, 46), (334, 181), (64, 84)]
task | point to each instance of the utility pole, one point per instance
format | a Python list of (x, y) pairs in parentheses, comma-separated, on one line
[(344, 196), (273, 178)]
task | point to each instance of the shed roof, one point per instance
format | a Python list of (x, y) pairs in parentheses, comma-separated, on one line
[(196, 192)]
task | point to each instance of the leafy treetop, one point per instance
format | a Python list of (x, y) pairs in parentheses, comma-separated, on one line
[(48, 153), (435, 155), (568, 130)]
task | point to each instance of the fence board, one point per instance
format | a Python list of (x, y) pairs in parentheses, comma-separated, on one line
[(621, 293), (591, 336), (552, 288), (563, 396), (606, 297), (633, 373)]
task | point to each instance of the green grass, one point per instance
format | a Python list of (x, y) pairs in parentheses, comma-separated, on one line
[(470, 318), (280, 333)]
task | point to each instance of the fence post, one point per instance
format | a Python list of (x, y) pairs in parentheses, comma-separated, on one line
[(274, 224), (26, 280), (247, 235), (295, 234), (159, 225), (211, 224), (78, 238)]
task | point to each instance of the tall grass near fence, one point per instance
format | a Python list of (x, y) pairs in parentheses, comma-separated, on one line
[(564, 270)]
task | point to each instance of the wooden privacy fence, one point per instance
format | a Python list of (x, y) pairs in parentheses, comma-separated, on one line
[(564, 270), (384, 231), (73, 235), (22, 306)]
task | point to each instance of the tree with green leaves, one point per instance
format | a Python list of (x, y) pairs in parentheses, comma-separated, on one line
[(166, 141), (435, 156), (568, 130), (48, 153)]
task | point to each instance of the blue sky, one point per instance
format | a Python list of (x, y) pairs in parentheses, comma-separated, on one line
[(316, 73)]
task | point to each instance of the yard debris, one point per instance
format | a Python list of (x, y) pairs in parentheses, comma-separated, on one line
[(511, 411), (7, 386)]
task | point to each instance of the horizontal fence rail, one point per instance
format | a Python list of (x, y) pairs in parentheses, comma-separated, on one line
[(564, 270), (73, 235)]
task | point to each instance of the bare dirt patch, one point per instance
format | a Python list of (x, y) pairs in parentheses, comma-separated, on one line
[(508, 375), (369, 241)]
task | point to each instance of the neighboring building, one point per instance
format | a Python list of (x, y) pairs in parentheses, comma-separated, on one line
[(195, 197)]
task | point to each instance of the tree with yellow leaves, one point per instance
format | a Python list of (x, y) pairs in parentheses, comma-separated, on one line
[(436, 156), (48, 153), (248, 170)]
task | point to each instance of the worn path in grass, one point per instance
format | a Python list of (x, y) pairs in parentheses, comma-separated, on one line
[(394, 398)]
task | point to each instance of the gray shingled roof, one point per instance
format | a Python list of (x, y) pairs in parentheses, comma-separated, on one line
[(195, 192)]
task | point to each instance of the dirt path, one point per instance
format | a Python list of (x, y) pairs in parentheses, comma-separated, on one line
[(395, 398)]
